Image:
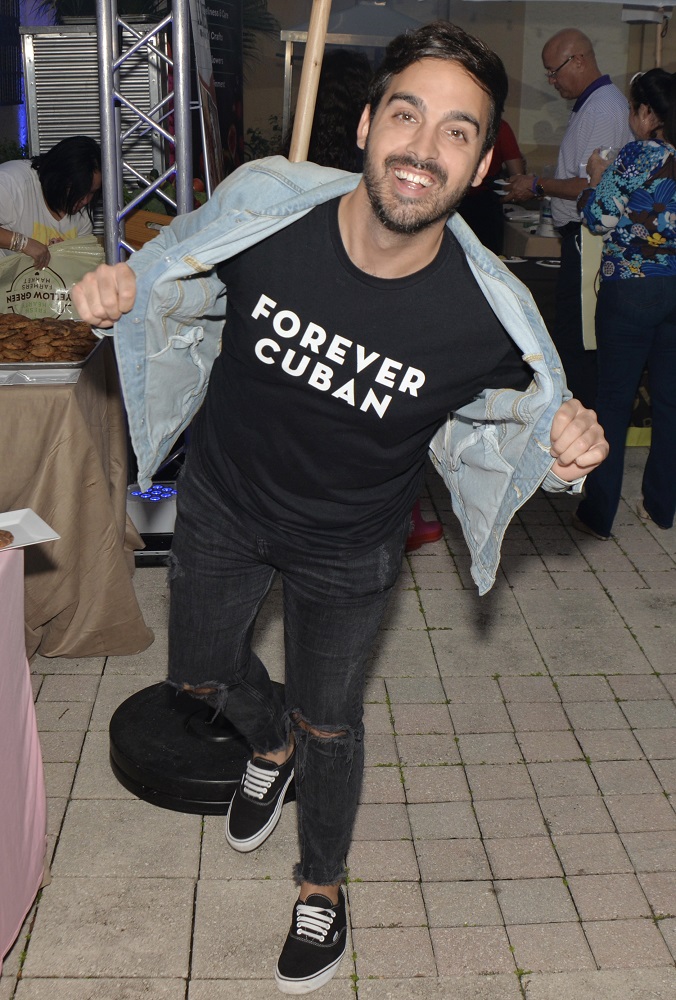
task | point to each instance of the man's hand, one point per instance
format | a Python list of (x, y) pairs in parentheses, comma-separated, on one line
[(577, 441), (520, 188), (105, 294)]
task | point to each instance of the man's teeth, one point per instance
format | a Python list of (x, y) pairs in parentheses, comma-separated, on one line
[(404, 175)]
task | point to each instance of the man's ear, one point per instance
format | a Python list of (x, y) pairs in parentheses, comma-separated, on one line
[(364, 126), (482, 169)]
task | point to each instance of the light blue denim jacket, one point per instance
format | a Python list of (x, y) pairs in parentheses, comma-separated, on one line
[(492, 454)]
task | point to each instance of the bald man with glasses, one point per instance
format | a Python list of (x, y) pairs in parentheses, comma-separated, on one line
[(598, 119)]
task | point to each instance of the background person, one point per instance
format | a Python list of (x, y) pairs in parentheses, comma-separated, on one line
[(633, 202), (598, 120), (49, 198), (481, 208)]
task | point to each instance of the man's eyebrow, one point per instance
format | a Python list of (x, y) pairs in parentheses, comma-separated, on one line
[(456, 116)]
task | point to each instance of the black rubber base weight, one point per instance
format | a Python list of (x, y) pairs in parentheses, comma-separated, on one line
[(165, 748)]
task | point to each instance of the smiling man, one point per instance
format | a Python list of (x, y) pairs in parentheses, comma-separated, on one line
[(365, 327)]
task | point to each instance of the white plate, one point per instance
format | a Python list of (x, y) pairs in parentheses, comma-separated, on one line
[(27, 528)]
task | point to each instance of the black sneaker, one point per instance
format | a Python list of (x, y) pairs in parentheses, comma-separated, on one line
[(256, 806), (314, 945)]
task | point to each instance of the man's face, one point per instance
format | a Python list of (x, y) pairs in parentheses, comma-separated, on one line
[(563, 70), (423, 149)]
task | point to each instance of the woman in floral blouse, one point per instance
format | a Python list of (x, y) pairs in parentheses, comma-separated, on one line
[(633, 203)]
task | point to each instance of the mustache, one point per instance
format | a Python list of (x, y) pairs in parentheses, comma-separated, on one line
[(409, 163)]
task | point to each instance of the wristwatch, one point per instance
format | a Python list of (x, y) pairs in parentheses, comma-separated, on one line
[(537, 188)]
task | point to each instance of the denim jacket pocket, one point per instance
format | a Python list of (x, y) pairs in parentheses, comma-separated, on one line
[(479, 477)]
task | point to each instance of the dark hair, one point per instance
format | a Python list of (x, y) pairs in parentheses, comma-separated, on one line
[(341, 97), (67, 171), (443, 40), (656, 90)]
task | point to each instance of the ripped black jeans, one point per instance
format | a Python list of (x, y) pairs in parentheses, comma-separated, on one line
[(220, 574)]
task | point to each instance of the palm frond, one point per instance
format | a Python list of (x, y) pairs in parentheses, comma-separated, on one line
[(256, 20)]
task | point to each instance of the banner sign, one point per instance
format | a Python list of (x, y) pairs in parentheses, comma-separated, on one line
[(217, 35)]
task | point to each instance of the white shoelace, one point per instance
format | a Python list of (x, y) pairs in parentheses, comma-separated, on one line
[(256, 781), (314, 921)]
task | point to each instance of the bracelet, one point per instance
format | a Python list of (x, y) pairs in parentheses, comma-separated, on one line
[(18, 242), (534, 185)]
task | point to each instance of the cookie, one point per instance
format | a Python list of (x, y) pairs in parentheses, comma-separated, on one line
[(6, 538)]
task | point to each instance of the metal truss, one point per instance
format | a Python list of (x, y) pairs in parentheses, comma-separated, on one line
[(118, 42)]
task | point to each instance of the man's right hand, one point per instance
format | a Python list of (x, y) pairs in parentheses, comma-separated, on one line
[(105, 294)]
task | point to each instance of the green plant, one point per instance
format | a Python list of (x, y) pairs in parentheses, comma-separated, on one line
[(11, 150), (259, 143), (256, 20)]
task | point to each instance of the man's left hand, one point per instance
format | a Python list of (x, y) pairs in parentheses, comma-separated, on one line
[(520, 188), (577, 441)]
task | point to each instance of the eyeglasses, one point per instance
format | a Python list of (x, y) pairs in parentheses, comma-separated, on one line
[(552, 73)]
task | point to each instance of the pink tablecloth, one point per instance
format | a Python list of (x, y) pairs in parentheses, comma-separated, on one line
[(23, 808)]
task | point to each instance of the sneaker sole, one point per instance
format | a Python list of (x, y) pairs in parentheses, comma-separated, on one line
[(299, 986), (245, 846)]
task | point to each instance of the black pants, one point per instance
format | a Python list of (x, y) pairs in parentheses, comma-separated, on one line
[(579, 364)]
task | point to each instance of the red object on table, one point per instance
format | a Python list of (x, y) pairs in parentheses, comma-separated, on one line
[(23, 806)]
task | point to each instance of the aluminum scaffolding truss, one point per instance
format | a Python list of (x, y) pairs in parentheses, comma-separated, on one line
[(114, 32)]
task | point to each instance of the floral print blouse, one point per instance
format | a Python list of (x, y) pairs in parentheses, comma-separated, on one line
[(634, 206)]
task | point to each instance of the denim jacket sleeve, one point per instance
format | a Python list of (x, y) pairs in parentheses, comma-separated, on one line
[(495, 452)]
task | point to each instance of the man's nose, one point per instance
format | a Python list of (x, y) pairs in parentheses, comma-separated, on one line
[(424, 143)]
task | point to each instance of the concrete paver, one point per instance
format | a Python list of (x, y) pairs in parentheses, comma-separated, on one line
[(550, 947), (517, 836)]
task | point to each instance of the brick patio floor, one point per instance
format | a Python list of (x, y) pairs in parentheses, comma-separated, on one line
[(517, 834)]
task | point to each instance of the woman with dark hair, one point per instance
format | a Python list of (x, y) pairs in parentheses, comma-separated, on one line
[(49, 198), (633, 203)]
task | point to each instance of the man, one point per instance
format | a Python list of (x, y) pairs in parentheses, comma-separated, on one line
[(598, 120), (356, 321)]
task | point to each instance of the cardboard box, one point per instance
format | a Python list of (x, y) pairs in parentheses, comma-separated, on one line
[(521, 242)]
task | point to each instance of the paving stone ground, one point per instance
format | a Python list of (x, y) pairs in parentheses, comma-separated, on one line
[(517, 834)]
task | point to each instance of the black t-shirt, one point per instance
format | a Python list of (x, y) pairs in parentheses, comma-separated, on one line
[(331, 383)]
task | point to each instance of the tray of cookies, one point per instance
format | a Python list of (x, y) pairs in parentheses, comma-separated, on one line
[(43, 350)]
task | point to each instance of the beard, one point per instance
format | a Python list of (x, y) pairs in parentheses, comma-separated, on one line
[(409, 215)]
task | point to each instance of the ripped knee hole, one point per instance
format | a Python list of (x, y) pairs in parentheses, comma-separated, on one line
[(203, 691), (313, 731)]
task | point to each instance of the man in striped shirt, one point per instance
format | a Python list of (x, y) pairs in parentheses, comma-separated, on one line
[(598, 120)]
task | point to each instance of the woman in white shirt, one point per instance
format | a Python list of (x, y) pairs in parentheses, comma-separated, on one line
[(49, 198)]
